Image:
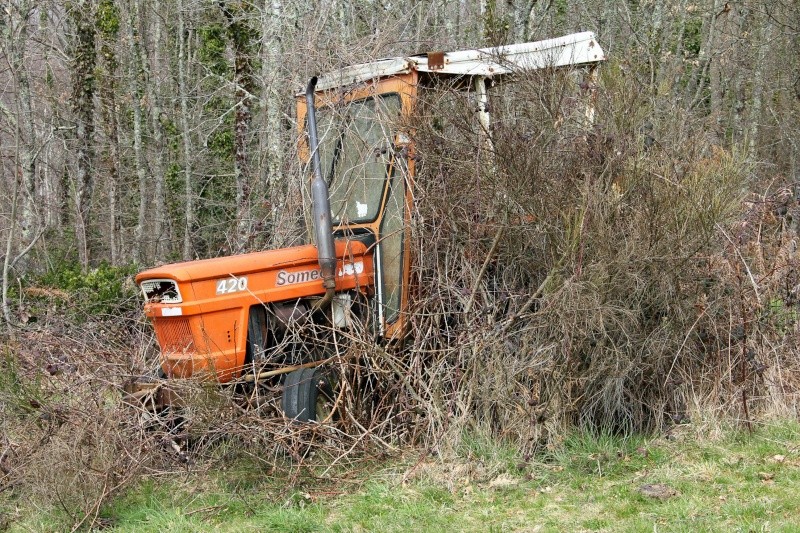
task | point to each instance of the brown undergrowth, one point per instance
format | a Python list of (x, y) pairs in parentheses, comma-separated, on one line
[(611, 276), (615, 276)]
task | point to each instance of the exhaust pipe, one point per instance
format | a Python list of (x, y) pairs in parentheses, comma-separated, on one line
[(321, 206)]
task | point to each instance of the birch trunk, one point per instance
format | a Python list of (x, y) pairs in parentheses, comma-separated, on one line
[(135, 73), (185, 135)]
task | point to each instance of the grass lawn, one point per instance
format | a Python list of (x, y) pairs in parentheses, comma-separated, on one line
[(732, 481)]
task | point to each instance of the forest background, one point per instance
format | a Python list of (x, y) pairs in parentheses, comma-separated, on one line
[(153, 131)]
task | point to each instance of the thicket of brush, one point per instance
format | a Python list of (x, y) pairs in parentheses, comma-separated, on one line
[(615, 277), (618, 276)]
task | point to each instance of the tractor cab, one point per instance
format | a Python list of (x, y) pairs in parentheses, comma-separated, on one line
[(365, 130)]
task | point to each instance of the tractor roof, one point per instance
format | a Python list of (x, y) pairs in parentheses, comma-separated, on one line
[(574, 49)]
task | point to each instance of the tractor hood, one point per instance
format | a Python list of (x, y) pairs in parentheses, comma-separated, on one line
[(204, 269), (200, 309), (269, 276)]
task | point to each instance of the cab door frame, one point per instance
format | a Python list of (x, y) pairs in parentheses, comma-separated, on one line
[(405, 85)]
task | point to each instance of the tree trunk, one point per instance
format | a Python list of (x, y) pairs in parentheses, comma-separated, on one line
[(707, 51), (26, 137), (108, 25), (154, 97), (271, 139), (240, 35), (83, 86), (185, 135), (136, 67), (759, 73)]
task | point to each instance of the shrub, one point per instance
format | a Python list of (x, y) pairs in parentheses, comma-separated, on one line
[(582, 276), (102, 291)]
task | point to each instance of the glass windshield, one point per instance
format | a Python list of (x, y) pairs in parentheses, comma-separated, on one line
[(355, 143)]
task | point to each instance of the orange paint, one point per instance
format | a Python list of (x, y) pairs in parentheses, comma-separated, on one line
[(207, 331)]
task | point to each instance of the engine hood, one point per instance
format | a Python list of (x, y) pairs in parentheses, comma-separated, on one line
[(245, 264)]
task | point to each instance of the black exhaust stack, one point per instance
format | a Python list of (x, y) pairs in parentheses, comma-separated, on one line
[(320, 203)]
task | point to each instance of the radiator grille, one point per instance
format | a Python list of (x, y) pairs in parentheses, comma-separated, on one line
[(174, 335)]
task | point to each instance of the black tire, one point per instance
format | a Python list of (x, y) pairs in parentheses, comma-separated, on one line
[(305, 392)]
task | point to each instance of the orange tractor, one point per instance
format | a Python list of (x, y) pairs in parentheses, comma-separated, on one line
[(237, 318)]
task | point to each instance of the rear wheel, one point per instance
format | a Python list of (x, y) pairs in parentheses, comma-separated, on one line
[(307, 395)]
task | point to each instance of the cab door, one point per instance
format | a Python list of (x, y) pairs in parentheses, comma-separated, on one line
[(366, 155)]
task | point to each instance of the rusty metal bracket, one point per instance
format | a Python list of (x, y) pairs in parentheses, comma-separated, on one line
[(436, 60)]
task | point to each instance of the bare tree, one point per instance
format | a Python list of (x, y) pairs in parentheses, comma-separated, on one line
[(108, 22), (183, 96), (136, 68), (242, 38), (16, 39), (271, 142), (195, 100), (84, 58)]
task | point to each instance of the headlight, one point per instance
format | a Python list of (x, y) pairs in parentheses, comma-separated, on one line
[(161, 291)]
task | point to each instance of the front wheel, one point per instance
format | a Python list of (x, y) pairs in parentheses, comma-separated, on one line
[(307, 395)]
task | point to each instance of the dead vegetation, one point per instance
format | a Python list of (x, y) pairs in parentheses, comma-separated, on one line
[(613, 277)]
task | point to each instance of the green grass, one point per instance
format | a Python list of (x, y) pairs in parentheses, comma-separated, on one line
[(736, 482)]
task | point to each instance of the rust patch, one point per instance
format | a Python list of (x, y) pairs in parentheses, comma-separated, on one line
[(435, 60)]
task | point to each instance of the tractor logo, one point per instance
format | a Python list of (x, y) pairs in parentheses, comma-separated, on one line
[(293, 278)]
